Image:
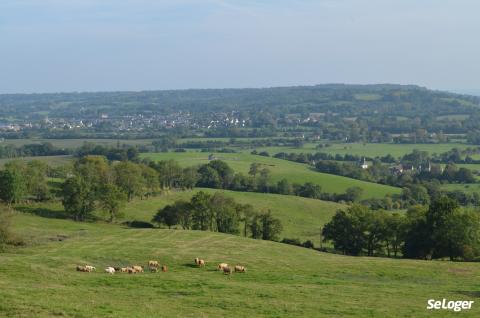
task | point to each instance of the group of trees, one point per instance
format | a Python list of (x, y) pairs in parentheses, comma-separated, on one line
[(95, 182), (19, 180), (219, 175), (30, 150), (118, 153), (219, 213), (439, 230)]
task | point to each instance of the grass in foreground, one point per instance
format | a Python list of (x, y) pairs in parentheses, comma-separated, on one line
[(281, 281)]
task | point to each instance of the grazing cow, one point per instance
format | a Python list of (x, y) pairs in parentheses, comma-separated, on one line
[(124, 269), (90, 268), (81, 269), (130, 270), (110, 270), (153, 269), (240, 269), (201, 263), (227, 270), (197, 261), (117, 269), (221, 266), (138, 269), (164, 268), (153, 264)]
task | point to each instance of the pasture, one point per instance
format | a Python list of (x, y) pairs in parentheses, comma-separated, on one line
[(301, 217), (40, 280), (369, 149), (75, 143), (292, 171), (53, 161)]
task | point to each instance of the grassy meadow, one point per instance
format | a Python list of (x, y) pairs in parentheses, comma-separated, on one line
[(292, 171), (369, 149), (40, 280), (301, 217)]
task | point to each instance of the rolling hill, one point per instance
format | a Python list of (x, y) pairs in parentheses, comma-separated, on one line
[(294, 172), (40, 280)]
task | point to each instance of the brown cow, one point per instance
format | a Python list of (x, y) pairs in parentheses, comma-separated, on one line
[(138, 269), (164, 268), (81, 268), (153, 264), (221, 266), (227, 270), (240, 269)]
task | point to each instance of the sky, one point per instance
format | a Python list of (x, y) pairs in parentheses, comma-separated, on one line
[(112, 45)]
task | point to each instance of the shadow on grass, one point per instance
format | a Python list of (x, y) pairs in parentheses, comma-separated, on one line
[(44, 212), (52, 214)]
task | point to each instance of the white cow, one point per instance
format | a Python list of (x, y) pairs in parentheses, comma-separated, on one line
[(110, 270)]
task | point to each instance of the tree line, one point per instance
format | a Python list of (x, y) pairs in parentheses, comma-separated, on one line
[(440, 230), (219, 213)]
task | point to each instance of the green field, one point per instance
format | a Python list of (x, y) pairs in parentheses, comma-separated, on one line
[(75, 143), (469, 188), (281, 280), (301, 217), (53, 161), (294, 172), (369, 150)]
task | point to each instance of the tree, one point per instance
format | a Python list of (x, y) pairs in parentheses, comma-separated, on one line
[(254, 169), (12, 186), (284, 187), (264, 180), (226, 217), (224, 172), (347, 230), (353, 194), (189, 177), (128, 177), (201, 212), (209, 177), (78, 197), (111, 200), (150, 179), (246, 212), (169, 215), (37, 179), (271, 227)]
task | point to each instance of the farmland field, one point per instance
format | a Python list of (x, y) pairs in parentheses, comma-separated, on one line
[(75, 143), (292, 171), (370, 149), (281, 280), (53, 161), (301, 217)]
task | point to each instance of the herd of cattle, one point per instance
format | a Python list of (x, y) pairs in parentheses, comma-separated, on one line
[(154, 266)]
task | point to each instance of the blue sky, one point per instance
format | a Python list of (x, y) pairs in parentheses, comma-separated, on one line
[(104, 45)]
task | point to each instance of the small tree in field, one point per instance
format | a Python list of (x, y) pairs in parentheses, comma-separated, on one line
[(111, 200)]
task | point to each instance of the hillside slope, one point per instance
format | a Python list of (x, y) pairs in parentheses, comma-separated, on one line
[(281, 281), (292, 171)]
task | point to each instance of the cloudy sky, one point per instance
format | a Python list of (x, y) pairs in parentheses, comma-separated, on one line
[(104, 45)]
